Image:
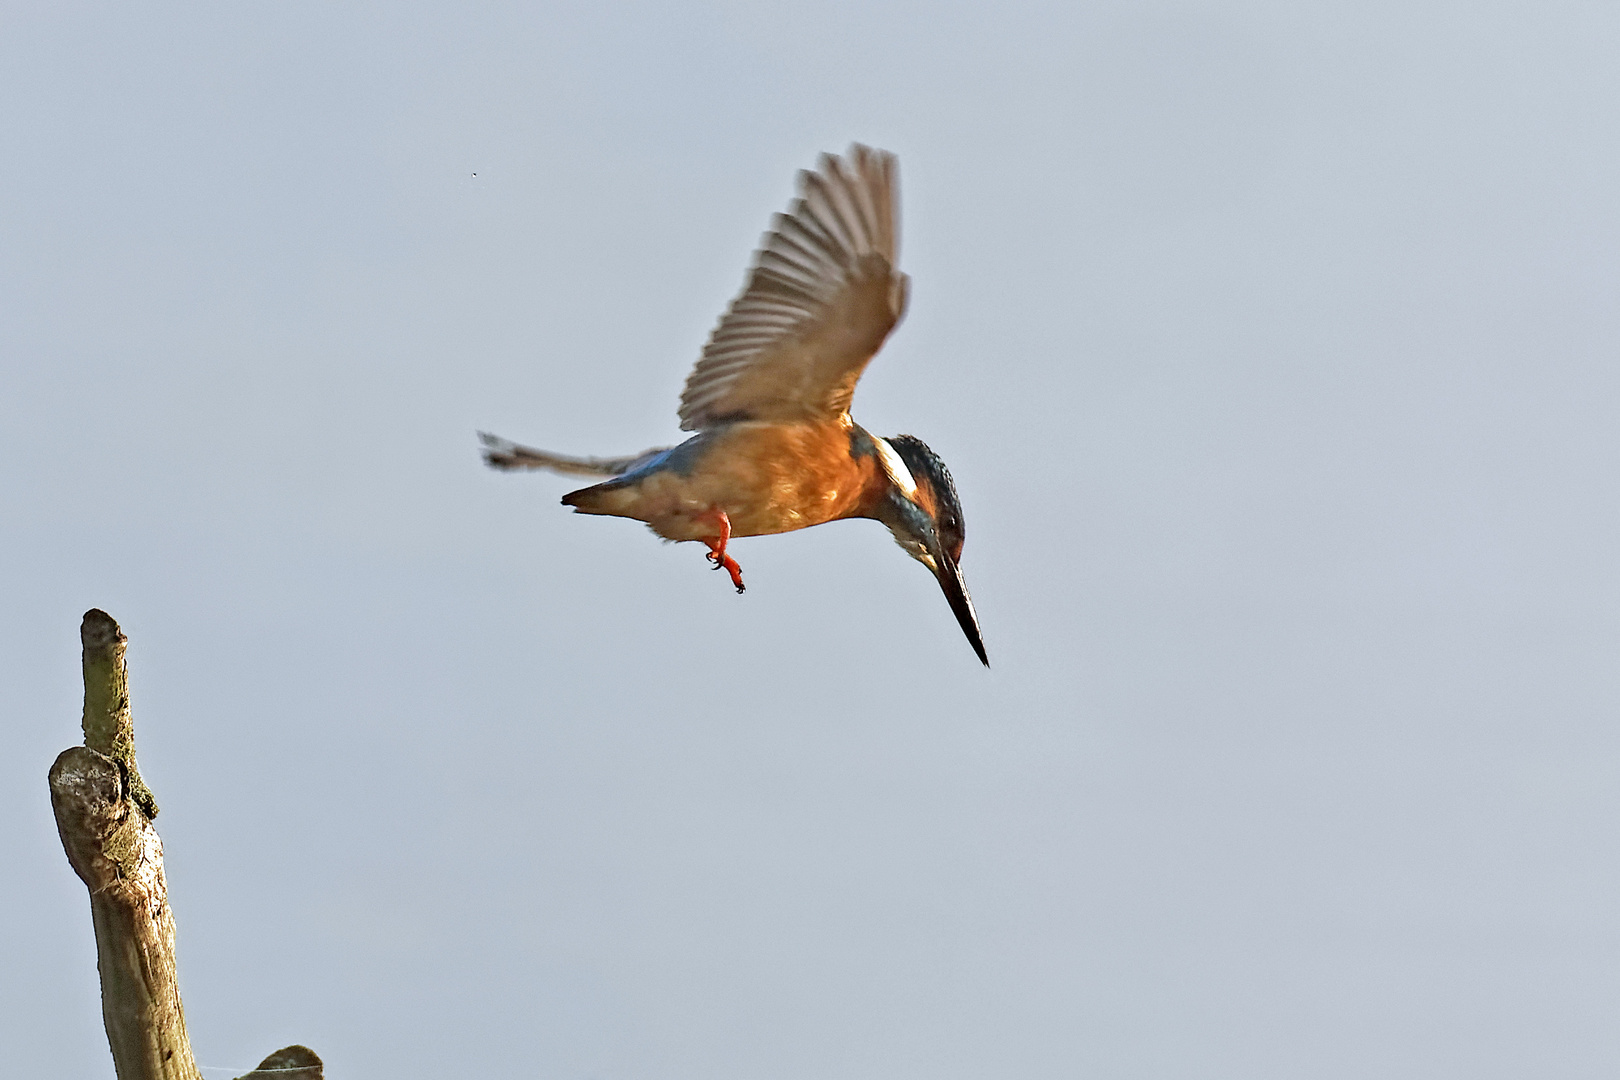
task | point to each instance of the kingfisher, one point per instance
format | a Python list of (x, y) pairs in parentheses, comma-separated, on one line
[(774, 447)]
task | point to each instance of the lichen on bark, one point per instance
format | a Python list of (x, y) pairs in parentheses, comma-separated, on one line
[(108, 726)]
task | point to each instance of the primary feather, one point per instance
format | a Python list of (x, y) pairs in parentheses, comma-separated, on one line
[(821, 297)]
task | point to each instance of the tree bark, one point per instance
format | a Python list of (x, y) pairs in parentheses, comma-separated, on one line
[(118, 855), (108, 725), (103, 814), (288, 1063)]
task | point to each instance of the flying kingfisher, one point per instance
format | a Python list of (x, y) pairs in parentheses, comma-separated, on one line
[(775, 448)]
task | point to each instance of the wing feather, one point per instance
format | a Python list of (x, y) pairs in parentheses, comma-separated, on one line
[(820, 298)]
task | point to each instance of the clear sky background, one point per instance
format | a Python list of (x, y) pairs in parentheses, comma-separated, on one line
[(1273, 347)]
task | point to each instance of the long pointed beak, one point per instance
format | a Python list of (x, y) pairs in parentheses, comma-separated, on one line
[(950, 579)]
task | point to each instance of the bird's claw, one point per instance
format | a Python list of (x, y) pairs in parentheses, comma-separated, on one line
[(717, 551), (727, 563)]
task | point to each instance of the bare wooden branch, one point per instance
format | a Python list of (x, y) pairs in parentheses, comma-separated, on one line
[(103, 814), (108, 725), (118, 855), (288, 1063)]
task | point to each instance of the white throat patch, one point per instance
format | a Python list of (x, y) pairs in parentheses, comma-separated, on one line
[(896, 469)]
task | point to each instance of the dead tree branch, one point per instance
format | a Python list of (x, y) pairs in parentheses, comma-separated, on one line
[(104, 815)]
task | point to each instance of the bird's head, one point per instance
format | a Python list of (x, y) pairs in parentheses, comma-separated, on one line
[(924, 514)]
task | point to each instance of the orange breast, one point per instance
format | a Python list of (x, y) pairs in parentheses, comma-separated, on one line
[(767, 477)]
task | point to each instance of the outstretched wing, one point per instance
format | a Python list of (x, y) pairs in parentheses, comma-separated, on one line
[(820, 299), (502, 453)]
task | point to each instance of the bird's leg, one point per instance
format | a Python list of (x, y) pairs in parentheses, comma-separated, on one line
[(717, 550)]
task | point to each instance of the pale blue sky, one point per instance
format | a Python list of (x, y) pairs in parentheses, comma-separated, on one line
[(1272, 346)]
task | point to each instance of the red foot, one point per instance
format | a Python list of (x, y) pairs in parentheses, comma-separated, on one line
[(717, 551)]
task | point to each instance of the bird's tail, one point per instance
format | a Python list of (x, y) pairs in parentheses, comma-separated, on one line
[(502, 453)]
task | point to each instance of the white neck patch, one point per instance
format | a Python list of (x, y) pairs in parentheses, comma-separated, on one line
[(896, 468)]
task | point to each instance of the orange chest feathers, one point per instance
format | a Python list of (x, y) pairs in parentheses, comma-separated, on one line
[(774, 478), (766, 477)]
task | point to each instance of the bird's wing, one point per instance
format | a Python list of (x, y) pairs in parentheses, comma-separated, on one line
[(502, 453), (821, 297)]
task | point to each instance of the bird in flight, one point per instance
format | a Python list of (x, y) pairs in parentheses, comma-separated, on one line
[(775, 448)]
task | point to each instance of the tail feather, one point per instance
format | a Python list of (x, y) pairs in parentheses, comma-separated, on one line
[(502, 453)]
